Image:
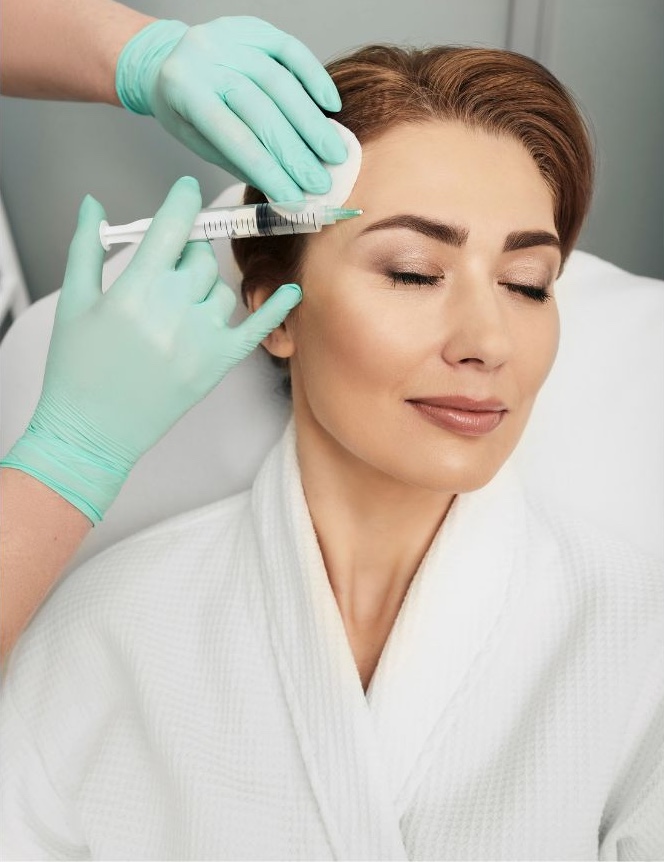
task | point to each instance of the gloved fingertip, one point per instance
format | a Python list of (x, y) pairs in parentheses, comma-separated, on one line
[(87, 208), (90, 213), (86, 252), (189, 181), (269, 315), (330, 99), (336, 151), (290, 195), (318, 183), (184, 189), (290, 293)]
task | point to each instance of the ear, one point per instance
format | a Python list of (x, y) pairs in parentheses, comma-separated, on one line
[(280, 341)]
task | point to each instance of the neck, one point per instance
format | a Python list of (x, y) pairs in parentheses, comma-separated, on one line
[(373, 530)]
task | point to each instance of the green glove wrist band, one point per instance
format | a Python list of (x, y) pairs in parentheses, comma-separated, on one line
[(139, 62), (68, 462)]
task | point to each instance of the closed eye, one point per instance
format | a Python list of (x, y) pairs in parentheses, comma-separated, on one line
[(413, 278), (539, 294)]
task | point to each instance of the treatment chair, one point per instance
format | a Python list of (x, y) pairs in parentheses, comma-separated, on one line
[(594, 444)]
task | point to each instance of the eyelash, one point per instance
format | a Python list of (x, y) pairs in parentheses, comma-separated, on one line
[(539, 294), (413, 278)]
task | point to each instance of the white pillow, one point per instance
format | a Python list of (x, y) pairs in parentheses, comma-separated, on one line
[(595, 440)]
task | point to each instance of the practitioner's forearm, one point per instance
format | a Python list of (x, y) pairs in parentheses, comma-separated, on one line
[(40, 532), (64, 49)]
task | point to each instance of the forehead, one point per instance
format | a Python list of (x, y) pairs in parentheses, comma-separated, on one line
[(445, 167)]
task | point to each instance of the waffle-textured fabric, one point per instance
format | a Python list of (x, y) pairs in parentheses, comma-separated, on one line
[(191, 693)]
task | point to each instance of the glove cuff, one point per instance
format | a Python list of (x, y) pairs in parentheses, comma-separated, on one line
[(82, 475), (139, 62)]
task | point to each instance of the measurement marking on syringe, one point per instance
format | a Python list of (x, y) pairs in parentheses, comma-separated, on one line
[(236, 222), (273, 224)]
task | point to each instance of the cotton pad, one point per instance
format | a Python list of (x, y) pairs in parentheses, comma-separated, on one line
[(344, 175)]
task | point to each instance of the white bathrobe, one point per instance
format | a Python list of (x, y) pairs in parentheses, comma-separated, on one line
[(191, 694)]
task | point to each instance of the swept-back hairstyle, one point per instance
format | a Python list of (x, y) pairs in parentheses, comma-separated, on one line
[(498, 91)]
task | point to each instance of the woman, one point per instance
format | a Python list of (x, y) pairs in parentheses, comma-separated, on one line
[(383, 650)]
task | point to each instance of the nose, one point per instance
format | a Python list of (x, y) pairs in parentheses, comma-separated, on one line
[(476, 325)]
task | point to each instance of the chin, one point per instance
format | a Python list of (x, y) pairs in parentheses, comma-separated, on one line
[(450, 469), (457, 481), (458, 464)]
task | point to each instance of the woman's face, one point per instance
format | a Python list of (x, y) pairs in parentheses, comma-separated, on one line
[(400, 311)]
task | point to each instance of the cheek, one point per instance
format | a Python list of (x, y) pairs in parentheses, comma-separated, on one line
[(538, 346), (355, 337)]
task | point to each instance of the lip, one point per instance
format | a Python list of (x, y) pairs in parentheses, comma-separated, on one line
[(467, 416), (462, 402)]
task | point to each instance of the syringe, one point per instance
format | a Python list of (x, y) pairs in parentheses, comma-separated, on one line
[(265, 219)]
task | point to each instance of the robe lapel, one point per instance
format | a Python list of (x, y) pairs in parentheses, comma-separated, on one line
[(454, 611), (336, 733)]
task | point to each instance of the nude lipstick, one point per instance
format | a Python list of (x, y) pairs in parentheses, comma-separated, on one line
[(467, 416)]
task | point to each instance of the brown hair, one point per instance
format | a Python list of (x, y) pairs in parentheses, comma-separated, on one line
[(498, 91)]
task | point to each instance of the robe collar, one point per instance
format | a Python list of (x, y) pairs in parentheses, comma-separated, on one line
[(366, 755)]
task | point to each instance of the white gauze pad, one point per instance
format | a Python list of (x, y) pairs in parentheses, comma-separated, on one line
[(343, 176)]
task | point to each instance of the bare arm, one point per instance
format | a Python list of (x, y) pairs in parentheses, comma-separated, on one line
[(40, 533), (52, 49), (64, 49)]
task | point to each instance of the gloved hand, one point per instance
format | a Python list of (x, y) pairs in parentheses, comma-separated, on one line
[(242, 95), (125, 365)]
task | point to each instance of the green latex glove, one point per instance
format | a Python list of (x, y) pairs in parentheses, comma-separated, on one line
[(242, 95), (125, 365)]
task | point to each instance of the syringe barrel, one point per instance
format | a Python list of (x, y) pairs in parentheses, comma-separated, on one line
[(265, 219), (256, 220)]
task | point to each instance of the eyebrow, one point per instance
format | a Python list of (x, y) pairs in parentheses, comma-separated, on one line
[(457, 236), (447, 233), (527, 238)]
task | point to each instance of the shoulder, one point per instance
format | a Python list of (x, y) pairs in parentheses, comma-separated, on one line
[(184, 545), (600, 600), (181, 536), (159, 577), (595, 565)]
